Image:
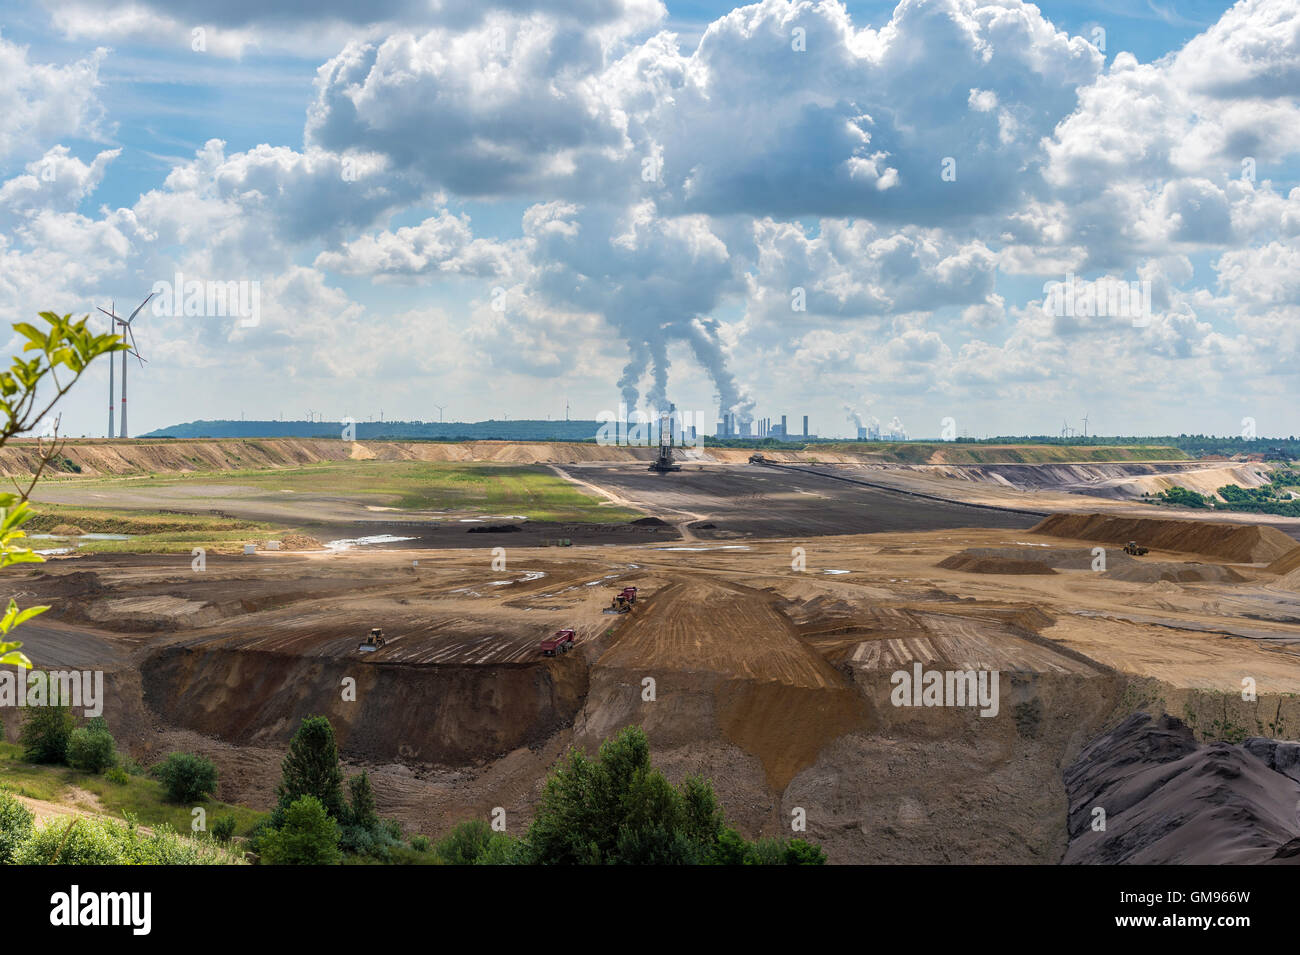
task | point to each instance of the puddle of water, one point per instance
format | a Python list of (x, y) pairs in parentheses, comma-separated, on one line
[(531, 575), (722, 547), (835, 571), (350, 542)]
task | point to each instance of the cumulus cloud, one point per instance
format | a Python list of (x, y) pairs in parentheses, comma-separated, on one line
[(43, 102), (58, 181), (878, 205)]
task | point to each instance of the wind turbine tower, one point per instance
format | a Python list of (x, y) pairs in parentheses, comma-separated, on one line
[(128, 333)]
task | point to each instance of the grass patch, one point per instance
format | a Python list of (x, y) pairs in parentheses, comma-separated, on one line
[(532, 491), (141, 796), (99, 521), (151, 532)]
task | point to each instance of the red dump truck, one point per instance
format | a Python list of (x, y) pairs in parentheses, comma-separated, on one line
[(562, 642), (628, 594)]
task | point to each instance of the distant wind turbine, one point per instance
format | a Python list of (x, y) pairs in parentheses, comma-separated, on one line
[(128, 333)]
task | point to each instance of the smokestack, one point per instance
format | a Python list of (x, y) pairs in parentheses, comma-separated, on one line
[(805, 426), (784, 432)]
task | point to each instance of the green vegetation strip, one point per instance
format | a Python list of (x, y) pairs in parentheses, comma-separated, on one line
[(1272, 498), (532, 491), (138, 796), (150, 532)]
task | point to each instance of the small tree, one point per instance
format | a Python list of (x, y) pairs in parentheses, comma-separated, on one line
[(187, 778), (47, 730), (91, 748), (619, 809), (362, 809), (312, 769), (308, 836)]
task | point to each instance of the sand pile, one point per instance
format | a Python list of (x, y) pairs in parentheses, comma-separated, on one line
[(1290, 581), (974, 564), (1191, 573), (1025, 560), (1243, 543), (1286, 563)]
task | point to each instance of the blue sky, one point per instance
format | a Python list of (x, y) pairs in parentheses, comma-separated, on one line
[(453, 207)]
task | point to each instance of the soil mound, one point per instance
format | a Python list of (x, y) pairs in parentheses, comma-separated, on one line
[(1242, 543), (973, 564), (1169, 800), (81, 583), (649, 522), (1286, 563), (1191, 573), (66, 530)]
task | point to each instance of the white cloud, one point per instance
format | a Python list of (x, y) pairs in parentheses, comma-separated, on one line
[(43, 102)]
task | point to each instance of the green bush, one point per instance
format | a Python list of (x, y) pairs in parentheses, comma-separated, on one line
[(308, 836), (784, 852), (223, 829), (421, 843), (466, 843), (91, 748), (75, 841), (15, 827), (186, 777), (88, 840), (118, 776)]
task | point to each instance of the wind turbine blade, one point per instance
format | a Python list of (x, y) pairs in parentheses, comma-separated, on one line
[(140, 306)]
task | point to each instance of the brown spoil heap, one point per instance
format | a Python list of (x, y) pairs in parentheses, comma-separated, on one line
[(1241, 543)]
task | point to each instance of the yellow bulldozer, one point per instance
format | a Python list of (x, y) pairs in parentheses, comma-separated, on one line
[(1133, 550), (373, 642)]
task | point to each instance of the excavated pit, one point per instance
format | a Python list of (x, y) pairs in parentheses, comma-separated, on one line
[(431, 714)]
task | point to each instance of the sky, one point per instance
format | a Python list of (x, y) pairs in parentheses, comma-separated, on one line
[(979, 215)]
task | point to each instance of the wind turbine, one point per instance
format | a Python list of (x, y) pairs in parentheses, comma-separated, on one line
[(440, 408), (126, 325), (1085, 424)]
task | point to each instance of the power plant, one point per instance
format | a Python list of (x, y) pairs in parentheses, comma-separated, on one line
[(729, 427)]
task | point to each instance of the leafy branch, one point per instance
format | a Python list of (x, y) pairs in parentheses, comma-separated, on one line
[(62, 355)]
